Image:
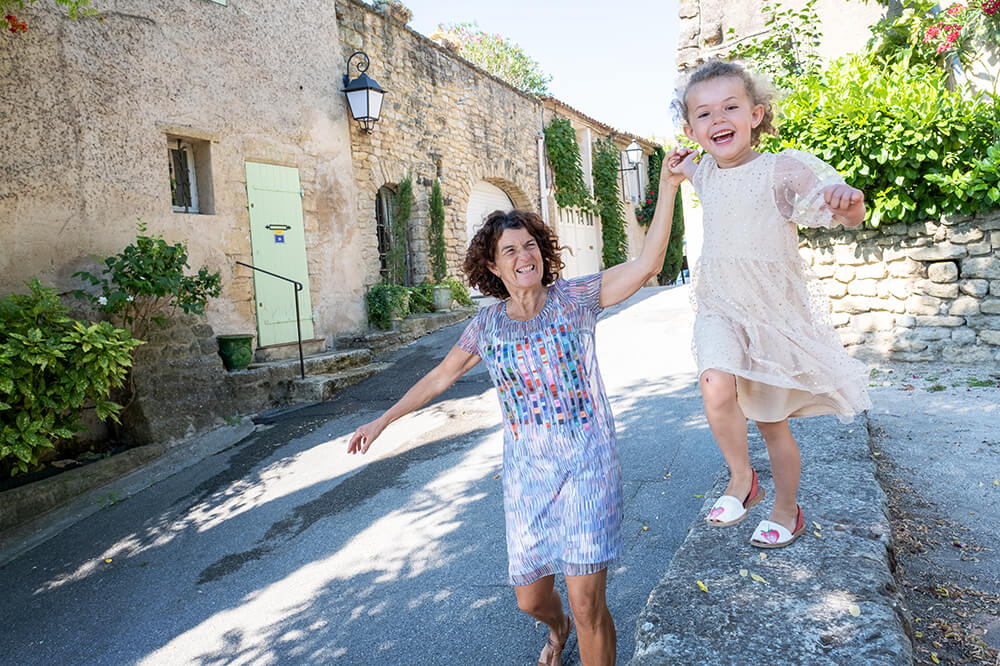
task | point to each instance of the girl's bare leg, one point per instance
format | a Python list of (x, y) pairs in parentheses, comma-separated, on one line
[(786, 466), (729, 427)]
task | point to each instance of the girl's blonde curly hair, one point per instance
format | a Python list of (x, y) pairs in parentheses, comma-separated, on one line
[(758, 91)]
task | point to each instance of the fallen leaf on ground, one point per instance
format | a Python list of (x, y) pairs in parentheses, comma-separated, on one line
[(702, 586), (908, 387), (934, 658), (854, 610), (645, 528), (496, 476), (816, 525), (108, 560), (703, 496), (918, 634), (759, 579), (763, 556), (818, 534), (744, 573)]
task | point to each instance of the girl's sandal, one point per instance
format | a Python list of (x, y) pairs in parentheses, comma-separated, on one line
[(770, 534), (552, 652), (729, 510)]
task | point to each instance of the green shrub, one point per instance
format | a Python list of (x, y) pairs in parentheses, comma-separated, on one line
[(402, 206), (644, 212), (459, 291), (674, 258), (435, 233), (917, 149), (386, 302), (422, 298), (51, 366), (607, 162), (145, 284)]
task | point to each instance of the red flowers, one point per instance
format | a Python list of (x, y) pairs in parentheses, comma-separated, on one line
[(14, 25), (955, 9), (991, 6), (949, 31)]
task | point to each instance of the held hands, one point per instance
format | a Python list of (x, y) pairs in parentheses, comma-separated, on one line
[(846, 202), (679, 165), (364, 436)]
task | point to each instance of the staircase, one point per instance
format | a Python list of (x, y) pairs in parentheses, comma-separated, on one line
[(354, 358)]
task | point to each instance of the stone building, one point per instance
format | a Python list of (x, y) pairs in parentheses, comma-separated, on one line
[(224, 125), (444, 118)]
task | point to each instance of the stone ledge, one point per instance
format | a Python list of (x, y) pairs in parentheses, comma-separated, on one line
[(802, 614)]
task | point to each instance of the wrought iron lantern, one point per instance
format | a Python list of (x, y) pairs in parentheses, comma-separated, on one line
[(364, 94)]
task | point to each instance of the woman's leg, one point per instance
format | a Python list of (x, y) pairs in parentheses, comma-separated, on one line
[(729, 427), (595, 630), (541, 601), (786, 466)]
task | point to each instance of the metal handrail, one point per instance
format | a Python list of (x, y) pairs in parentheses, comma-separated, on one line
[(297, 286)]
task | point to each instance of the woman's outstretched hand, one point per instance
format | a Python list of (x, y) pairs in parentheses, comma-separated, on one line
[(679, 165), (364, 436)]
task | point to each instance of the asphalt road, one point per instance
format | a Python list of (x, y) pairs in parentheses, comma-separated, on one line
[(285, 550)]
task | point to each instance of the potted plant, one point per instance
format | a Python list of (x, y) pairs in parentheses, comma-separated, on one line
[(439, 264), (387, 303), (236, 350)]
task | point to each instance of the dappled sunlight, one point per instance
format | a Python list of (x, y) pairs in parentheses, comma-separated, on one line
[(403, 543), (314, 467)]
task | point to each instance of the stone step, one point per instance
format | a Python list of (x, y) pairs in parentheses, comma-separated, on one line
[(316, 388), (285, 350), (319, 364)]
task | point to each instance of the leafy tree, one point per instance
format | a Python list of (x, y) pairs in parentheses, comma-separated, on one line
[(495, 54), (402, 207), (435, 232)]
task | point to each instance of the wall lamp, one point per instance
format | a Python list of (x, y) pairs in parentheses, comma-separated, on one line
[(364, 95), (633, 154)]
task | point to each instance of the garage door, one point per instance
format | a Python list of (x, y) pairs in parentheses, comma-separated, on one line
[(484, 199)]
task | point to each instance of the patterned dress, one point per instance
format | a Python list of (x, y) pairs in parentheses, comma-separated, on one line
[(561, 472), (761, 313)]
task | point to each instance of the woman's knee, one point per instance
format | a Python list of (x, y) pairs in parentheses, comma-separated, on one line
[(718, 389)]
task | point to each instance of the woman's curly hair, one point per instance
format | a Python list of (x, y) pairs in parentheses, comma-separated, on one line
[(758, 90), (483, 248)]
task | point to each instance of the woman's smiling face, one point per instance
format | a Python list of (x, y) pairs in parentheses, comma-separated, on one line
[(518, 260), (721, 118)]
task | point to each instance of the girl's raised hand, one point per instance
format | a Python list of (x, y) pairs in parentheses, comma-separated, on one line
[(846, 202), (679, 165)]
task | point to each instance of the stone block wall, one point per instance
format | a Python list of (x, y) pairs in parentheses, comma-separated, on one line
[(442, 117), (918, 292)]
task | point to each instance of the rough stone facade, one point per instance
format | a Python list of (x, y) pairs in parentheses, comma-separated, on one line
[(441, 118), (914, 292), (89, 107)]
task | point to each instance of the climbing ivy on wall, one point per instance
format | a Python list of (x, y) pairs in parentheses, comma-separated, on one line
[(609, 203), (402, 207), (564, 156)]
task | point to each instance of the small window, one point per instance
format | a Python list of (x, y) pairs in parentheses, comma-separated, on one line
[(183, 179), (190, 168)]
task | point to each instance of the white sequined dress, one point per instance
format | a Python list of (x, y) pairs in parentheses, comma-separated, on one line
[(761, 313)]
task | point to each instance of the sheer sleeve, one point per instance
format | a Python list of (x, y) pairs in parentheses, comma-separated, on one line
[(469, 342), (704, 164), (585, 292), (799, 182)]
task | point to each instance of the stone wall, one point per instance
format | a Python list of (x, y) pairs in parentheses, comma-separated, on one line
[(441, 117), (913, 292)]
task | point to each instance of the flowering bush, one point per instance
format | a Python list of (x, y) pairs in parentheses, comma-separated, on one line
[(75, 8), (495, 54)]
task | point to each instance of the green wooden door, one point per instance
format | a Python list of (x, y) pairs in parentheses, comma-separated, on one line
[(278, 243)]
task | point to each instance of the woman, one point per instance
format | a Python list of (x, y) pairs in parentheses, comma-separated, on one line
[(562, 479)]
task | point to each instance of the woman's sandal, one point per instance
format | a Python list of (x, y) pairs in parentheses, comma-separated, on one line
[(552, 652), (729, 510), (770, 534)]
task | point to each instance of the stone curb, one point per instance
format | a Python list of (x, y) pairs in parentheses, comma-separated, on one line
[(34, 513), (803, 613)]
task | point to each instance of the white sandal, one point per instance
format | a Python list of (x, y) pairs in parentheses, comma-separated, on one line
[(729, 510), (770, 534)]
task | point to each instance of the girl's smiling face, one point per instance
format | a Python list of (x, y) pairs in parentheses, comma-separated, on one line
[(721, 118)]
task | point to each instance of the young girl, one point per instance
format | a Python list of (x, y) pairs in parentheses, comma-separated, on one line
[(764, 346)]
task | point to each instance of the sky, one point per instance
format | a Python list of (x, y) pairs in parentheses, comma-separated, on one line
[(613, 62)]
